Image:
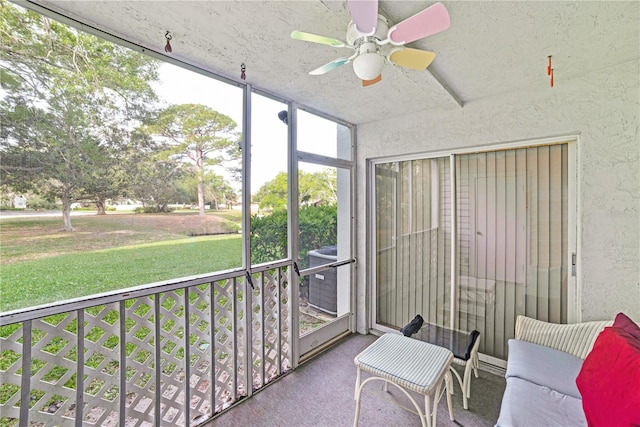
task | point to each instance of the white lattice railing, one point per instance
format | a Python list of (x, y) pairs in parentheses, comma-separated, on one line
[(136, 357)]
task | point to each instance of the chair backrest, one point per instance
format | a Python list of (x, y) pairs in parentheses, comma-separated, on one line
[(473, 338)]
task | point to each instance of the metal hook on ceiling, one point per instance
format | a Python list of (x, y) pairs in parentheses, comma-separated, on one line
[(167, 47)]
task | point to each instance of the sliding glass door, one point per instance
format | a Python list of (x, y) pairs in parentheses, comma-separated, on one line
[(413, 241), (506, 215)]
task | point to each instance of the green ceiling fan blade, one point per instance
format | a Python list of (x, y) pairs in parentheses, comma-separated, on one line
[(330, 66), (314, 38)]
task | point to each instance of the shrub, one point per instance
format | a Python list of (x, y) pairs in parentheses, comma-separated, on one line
[(269, 237), (318, 227), (40, 203), (230, 227), (152, 209)]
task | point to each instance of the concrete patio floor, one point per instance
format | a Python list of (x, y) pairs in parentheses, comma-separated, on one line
[(320, 393)]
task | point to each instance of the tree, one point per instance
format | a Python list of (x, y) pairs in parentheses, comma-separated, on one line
[(70, 102), (219, 191), (273, 194), (112, 175), (199, 136), (157, 184), (150, 177), (314, 188)]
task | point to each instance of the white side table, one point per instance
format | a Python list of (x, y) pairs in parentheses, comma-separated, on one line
[(408, 364)]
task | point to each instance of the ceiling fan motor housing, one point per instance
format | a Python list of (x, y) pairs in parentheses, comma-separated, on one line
[(355, 38)]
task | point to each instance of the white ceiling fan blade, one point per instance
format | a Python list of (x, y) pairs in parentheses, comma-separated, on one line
[(364, 14)]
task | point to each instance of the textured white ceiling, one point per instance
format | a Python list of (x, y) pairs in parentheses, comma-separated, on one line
[(491, 47)]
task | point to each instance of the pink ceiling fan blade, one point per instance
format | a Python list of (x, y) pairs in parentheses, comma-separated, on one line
[(430, 21), (364, 14)]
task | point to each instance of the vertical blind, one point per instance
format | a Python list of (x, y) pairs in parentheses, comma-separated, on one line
[(511, 241), (413, 241)]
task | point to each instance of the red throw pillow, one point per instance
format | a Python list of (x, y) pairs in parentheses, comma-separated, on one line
[(609, 381), (622, 321)]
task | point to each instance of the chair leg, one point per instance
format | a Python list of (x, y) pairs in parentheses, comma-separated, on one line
[(475, 364), (466, 384), (462, 383), (355, 394)]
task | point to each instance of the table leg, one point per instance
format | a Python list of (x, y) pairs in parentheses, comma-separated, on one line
[(427, 411), (425, 419), (449, 391), (436, 398), (358, 393)]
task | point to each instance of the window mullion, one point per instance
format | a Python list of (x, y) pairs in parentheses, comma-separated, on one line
[(454, 238)]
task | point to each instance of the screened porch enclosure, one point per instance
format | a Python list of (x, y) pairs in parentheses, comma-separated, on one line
[(505, 214), (202, 327), (174, 354)]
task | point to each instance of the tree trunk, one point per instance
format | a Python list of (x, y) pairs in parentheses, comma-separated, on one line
[(100, 206), (201, 197), (200, 166), (66, 210)]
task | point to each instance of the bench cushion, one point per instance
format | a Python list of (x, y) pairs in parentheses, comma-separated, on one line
[(527, 404), (544, 366)]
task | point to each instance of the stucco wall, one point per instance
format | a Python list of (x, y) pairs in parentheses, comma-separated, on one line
[(603, 107)]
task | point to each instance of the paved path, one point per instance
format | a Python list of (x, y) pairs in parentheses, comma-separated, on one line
[(29, 214)]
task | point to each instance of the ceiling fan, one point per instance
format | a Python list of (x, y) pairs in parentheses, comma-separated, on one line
[(369, 35)]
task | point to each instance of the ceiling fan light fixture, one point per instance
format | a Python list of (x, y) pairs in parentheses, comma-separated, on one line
[(368, 65)]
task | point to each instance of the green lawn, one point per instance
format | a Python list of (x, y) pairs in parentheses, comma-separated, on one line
[(42, 264), (40, 281)]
